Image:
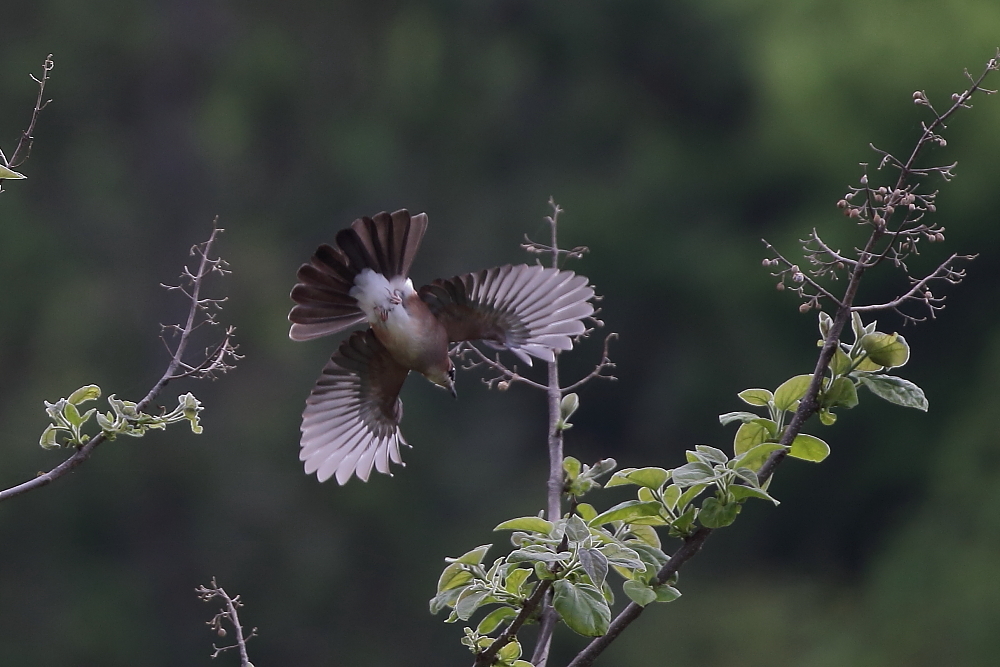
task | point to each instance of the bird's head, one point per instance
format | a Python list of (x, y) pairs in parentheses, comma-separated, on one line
[(444, 378)]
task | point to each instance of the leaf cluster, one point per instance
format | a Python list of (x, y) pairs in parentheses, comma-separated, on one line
[(124, 418)]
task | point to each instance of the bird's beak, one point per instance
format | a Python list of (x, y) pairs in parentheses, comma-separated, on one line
[(451, 390)]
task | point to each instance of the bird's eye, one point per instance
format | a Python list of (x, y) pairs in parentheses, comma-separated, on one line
[(451, 373)]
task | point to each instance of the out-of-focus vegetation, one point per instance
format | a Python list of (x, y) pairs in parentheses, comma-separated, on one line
[(675, 135)]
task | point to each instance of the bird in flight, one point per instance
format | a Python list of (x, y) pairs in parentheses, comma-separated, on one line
[(351, 420)]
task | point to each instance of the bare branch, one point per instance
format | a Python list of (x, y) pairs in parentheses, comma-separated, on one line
[(600, 370), (23, 149), (230, 615), (505, 376)]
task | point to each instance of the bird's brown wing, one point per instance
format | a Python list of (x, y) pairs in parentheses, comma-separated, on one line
[(351, 420), (384, 243), (529, 310)]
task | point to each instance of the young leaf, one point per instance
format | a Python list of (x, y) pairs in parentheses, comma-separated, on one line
[(529, 523), (740, 492), (84, 394), (754, 457), (693, 473), (889, 350), (469, 602), (576, 529), (712, 454), (582, 607), (759, 397), (825, 324), (48, 439), (896, 390), (572, 467), (628, 511), (715, 514), (516, 577), (493, 619), (690, 495), (473, 557), (809, 448), (6, 173), (651, 478), (453, 576), (730, 417), (639, 592), (840, 362), (666, 593), (752, 434), (790, 391), (511, 651), (842, 394), (595, 564), (586, 511), (646, 535)]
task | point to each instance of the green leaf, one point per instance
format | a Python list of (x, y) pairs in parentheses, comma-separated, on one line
[(586, 511), (531, 524), (515, 578), (582, 607), (740, 492), (453, 576), (825, 324), (651, 478), (896, 390), (840, 363), (690, 495), (537, 553), (842, 394), (646, 534), (572, 467), (84, 394), (445, 599), (809, 448), (889, 350), (666, 593), (493, 619), (6, 173), (716, 514), (521, 663), (469, 602), (857, 326), (595, 564), (693, 473), (652, 557), (48, 439), (754, 457), (576, 529), (638, 592), (827, 418), (72, 415), (731, 417), (628, 511), (671, 494), (790, 391), (759, 397), (473, 557), (622, 556), (753, 433), (510, 651), (620, 478), (712, 454)]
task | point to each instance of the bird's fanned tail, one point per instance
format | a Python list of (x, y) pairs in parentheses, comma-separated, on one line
[(384, 243)]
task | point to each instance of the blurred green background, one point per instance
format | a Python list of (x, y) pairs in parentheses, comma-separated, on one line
[(674, 134)]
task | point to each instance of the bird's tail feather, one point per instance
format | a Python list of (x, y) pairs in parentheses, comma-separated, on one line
[(384, 243)]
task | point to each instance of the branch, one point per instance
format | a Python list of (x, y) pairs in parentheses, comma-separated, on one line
[(599, 370), (809, 404), (28, 136), (505, 375), (220, 361), (228, 613)]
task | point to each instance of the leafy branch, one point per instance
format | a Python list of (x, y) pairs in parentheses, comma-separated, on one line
[(126, 417), (559, 566)]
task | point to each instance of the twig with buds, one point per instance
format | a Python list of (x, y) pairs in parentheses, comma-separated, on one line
[(230, 615)]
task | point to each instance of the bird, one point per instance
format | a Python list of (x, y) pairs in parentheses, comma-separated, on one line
[(350, 424)]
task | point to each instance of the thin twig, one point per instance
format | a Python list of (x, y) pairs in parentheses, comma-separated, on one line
[(228, 614), (23, 149), (219, 361)]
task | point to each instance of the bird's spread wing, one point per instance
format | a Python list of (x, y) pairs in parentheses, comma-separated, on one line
[(384, 243), (529, 310), (351, 420)]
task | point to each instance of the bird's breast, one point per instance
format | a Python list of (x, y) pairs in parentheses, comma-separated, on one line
[(412, 335)]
